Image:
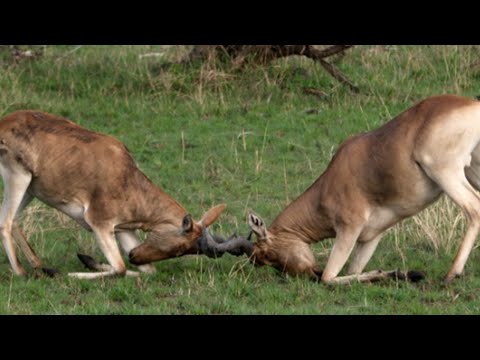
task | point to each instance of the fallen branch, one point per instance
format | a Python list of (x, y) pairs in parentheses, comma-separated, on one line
[(316, 54), (239, 55)]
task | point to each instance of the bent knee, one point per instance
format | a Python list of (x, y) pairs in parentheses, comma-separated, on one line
[(120, 269), (6, 227), (328, 278), (473, 215)]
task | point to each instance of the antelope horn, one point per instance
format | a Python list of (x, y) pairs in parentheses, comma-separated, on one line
[(216, 246)]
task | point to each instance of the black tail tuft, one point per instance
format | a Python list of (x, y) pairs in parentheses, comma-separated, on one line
[(412, 275), (88, 261), (415, 276)]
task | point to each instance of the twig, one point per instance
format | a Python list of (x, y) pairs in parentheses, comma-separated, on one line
[(337, 74), (69, 52), (315, 92), (152, 54), (183, 147)]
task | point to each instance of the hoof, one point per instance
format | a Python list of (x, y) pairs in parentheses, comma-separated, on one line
[(449, 278), (415, 276), (50, 272)]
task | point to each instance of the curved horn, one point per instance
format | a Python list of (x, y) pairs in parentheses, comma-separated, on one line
[(216, 246)]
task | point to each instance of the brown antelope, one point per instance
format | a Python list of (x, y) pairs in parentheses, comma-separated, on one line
[(92, 178), (375, 180)]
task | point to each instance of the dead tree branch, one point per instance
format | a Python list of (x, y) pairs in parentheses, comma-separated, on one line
[(239, 55)]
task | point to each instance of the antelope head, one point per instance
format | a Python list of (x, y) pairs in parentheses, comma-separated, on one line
[(284, 253)]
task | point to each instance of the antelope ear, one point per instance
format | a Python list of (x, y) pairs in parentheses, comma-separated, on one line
[(187, 223), (212, 215), (258, 226)]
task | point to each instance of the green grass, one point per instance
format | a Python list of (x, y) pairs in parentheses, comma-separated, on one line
[(208, 134)]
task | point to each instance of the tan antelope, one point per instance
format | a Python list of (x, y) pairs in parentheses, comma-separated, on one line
[(92, 178), (375, 180)]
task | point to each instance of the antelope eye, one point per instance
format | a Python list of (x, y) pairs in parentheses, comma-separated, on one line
[(187, 223)]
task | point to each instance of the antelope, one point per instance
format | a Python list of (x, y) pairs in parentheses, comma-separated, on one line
[(93, 179), (373, 181)]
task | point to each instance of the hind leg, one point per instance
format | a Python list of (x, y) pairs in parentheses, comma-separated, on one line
[(454, 182), (472, 173), (20, 239), (25, 247), (16, 182)]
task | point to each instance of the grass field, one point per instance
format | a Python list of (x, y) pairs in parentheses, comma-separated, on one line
[(254, 140)]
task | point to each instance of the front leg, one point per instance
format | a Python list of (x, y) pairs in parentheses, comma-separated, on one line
[(361, 255), (342, 248), (128, 240), (378, 275), (30, 254), (106, 240), (16, 182)]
